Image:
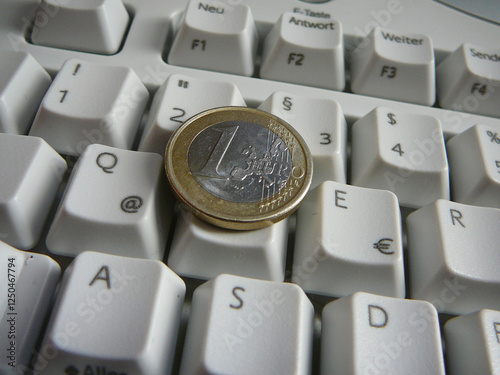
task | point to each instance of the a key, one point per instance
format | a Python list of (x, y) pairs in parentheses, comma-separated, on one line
[(116, 202), (28, 282), (113, 315), (473, 343), (453, 256), (474, 158), (322, 125), (401, 152), (305, 50), (369, 334), (31, 173), (23, 83), (96, 26), (237, 327), (217, 36), (468, 80), (394, 65), (204, 251), (180, 98), (349, 239), (91, 103)]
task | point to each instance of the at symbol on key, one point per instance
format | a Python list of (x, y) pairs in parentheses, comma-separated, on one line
[(131, 204)]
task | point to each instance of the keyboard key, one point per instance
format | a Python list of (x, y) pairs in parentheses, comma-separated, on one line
[(204, 251), (401, 152), (28, 282), (474, 158), (454, 257), (23, 83), (472, 343), (180, 98), (216, 36), (322, 125), (31, 172), (369, 334), (468, 80), (116, 202), (349, 239), (394, 65), (97, 26), (305, 50), (114, 315), (238, 325), (90, 103)]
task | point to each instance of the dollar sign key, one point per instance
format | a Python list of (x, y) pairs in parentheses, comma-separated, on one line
[(391, 117)]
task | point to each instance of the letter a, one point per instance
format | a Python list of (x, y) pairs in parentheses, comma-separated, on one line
[(105, 270)]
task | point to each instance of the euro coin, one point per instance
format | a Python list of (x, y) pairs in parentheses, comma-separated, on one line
[(238, 167)]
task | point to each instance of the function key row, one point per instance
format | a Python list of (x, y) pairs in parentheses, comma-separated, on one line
[(298, 49)]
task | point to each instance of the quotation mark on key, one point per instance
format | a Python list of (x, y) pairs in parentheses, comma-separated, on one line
[(131, 204), (494, 137)]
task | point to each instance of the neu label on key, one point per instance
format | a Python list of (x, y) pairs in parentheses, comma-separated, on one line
[(211, 9)]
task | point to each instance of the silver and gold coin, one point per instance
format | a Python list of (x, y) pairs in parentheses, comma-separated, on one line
[(238, 167)]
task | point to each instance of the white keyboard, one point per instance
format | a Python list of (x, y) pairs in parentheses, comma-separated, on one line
[(390, 265)]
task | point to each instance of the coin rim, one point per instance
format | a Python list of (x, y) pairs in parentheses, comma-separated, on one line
[(215, 210)]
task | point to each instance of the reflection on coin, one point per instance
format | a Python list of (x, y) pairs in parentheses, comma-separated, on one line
[(238, 167)]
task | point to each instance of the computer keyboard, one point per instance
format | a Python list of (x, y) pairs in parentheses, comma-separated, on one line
[(389, 266)]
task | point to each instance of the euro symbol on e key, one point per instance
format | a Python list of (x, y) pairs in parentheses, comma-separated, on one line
[(383, 246)]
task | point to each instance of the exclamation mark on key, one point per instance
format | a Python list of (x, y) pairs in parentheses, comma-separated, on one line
[(77, 69)]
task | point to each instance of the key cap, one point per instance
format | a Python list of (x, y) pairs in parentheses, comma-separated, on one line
[(322, 125), (468, 80), (96, 26), (369, 334), (180, 98), (28, 282), (216, 36), (348, 239), (204, 251), (473, 343), (401, 152), (237, 327), (305, 50), (453, 256), (116, 202), (90, 103), (23, 83), (113, 315), (31, 173), (474, 158), (392, 65)]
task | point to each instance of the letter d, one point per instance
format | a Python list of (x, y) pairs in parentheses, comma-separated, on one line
[(377, 316)]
